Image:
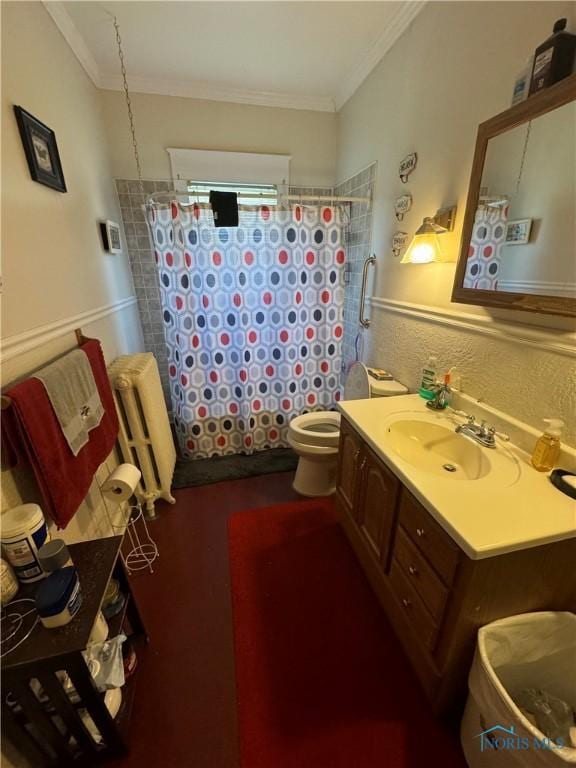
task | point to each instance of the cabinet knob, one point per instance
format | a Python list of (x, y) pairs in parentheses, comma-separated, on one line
[(406, 603), (420, 532), (356, 454), (412, 570)]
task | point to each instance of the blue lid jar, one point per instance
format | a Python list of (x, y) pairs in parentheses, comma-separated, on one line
[(59, 597)]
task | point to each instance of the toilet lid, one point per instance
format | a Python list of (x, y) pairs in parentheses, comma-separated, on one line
[(357, 385), (387, 388)]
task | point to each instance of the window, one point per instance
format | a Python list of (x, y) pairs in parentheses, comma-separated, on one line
[(248, 194)]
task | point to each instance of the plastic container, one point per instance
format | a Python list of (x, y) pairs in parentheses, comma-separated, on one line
[(554, 59), (522, 83), (533, 650), (24, 531), (100, 629), (59, 598), (54, 555), (8, 581), (428, 381), (547, 449)]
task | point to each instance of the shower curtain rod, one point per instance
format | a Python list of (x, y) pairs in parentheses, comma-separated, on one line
[(297, 198)]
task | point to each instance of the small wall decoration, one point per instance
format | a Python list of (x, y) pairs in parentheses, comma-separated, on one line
[(407, 166), (518, 231), (111, 236), (402, 206), (399, 240), (41, 150)]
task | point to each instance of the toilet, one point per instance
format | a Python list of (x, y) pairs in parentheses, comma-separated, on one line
[(315, 436)]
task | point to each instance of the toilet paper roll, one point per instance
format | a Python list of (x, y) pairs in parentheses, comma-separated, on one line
[(120, 485)]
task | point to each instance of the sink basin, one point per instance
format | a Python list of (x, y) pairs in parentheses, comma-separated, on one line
[(437, 448)]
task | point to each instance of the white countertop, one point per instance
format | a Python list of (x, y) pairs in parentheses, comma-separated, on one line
[(486, 516)]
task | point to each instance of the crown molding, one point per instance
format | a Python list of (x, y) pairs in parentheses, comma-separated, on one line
[(61, 18), (197, 89), (394, 29)]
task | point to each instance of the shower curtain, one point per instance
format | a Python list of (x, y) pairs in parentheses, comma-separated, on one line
[(485, 251), (252, 318)]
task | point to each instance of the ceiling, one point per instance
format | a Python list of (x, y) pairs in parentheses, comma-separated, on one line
[(304, 55)]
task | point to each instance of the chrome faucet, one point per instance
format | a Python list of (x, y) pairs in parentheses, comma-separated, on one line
[(481, 433), (440, 400)]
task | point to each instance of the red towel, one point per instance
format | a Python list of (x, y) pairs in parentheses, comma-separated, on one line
[(31, 432)]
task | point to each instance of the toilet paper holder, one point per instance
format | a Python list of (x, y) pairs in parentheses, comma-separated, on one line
[(119, 487)]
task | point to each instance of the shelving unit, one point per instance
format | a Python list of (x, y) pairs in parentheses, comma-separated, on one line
[(28, 724)]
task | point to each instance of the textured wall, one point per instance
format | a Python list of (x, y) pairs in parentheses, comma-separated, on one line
[(520, 379), (453, 68)]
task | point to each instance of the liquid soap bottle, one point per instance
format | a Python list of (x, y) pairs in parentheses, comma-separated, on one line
[(547, 449)]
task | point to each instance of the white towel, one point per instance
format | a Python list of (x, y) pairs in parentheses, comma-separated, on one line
[(72, 391)]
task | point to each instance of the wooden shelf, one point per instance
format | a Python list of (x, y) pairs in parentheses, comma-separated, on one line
[(48, 651), (94, 561)]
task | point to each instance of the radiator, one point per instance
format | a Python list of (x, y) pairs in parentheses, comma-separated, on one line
[(145, 438)]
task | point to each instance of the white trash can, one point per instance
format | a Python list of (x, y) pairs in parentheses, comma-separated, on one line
[(533, 650)]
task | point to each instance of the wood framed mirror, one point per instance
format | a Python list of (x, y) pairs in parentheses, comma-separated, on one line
[(519, 238)]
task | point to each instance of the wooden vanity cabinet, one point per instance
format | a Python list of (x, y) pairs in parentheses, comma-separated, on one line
[(434, 595), (368, 491)]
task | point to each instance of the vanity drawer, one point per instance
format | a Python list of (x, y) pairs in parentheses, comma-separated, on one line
[(421, 575), (429, 537), (412, 607)]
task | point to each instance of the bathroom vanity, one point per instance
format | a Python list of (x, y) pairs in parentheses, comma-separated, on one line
[(448, 550)]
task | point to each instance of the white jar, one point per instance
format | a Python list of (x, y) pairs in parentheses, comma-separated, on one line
[(8, 582), (24, 531), (100, 630)]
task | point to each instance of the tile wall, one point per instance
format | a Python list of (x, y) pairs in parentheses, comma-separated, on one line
[(358, 239)]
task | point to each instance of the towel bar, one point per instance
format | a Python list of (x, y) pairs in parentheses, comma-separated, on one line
[(6, 402)]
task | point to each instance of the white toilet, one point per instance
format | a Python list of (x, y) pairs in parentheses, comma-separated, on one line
[(315, 436)]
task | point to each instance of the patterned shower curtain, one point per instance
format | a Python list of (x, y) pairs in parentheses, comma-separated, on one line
[(485, 251), (253, 320)]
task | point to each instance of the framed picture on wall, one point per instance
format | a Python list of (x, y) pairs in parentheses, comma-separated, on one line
[(41, 150), (111, 236), (518, 231)]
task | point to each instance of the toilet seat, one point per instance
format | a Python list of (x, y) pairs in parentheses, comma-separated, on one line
[(321, 428), (315, 436)]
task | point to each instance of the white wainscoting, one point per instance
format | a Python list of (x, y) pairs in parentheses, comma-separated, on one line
[(12, 346), (549, 341)]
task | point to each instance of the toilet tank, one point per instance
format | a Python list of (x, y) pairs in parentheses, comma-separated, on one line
[(360, 385), (386, 388)]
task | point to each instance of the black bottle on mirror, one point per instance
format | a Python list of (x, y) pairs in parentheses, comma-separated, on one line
[(554, 59)]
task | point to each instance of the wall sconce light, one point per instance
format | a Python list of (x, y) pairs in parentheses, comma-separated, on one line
[(425, 246)]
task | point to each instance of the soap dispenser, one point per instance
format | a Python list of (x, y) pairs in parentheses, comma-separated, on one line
[(547, 449), (428, 381)]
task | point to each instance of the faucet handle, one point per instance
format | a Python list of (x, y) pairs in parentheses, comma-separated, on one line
[(501, 435), (471, 418)]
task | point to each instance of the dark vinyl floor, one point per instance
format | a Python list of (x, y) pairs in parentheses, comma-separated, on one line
[(185, 708)]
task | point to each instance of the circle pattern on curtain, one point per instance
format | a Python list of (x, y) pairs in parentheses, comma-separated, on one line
[(253, 321)]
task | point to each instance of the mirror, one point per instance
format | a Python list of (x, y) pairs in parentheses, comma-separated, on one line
[(519, 237)]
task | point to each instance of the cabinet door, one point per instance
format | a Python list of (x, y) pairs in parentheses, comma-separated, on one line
[(377, 504), (348, 464)]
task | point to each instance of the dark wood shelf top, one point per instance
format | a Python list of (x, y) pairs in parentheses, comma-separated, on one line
[(95, 561)]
